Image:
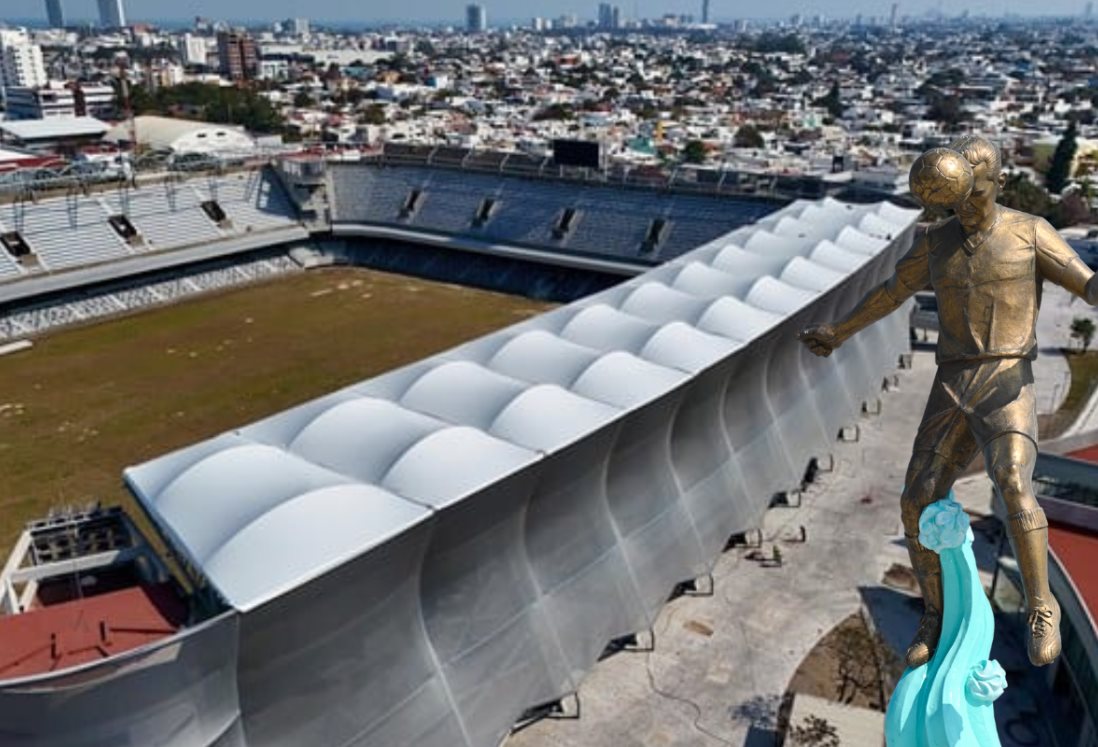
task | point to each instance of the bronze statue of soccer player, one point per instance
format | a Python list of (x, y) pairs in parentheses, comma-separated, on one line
[(986, 266)]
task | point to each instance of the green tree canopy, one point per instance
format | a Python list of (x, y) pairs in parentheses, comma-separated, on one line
[(554, 111), (1082, 329), (374, 114), (947, 110), (748, 136), (1022, 194), (694, 151), (832, 102), (210, 103), (1059, 169)]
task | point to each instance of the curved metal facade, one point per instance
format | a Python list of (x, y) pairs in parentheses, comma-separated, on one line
[(419, 558)]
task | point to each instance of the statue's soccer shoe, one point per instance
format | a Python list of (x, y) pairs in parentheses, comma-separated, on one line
[(925, 643), (1044, 633)]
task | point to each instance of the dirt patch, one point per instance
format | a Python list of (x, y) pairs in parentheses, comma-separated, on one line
[(901, 577), (849, 665)]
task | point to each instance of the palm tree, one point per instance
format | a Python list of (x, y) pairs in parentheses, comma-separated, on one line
[(1082, 329)]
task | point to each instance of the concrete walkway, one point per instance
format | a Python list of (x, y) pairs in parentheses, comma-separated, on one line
[(1050, 371), (722, 663)]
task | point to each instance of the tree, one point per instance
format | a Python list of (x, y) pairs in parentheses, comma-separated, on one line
[(1059, 169), (814, 731), (694, 151), (1020, 193), (1082, 329), (832, 102), (554, 111), (1074, 208), (302, 99), (748, 136), (374, 114), (770, 41), (224, 105), (947, 110)]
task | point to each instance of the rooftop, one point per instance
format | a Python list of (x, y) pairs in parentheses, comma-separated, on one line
[(84, 630), (45, 129), (1077, 550)]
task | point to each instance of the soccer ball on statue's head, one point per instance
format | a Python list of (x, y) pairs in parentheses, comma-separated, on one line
[(941, 178)]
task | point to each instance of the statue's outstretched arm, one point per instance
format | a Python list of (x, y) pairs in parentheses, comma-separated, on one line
[(1059, 263), (912, 274)]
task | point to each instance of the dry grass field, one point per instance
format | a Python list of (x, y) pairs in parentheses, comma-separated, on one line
[(84, 403)]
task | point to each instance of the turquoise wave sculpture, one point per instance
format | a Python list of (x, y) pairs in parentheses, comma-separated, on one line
[(947, 702)]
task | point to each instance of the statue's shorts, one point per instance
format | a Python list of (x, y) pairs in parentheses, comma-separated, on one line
[(973, 403)]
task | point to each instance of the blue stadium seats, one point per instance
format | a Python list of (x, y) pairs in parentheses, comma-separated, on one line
[(611, 221)]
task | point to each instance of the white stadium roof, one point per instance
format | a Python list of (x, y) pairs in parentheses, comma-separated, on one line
[(264, 509)]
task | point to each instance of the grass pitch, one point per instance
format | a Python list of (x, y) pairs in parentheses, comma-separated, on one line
[(84, 403)]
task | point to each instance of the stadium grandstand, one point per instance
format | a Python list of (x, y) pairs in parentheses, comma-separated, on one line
[(504, 510), (108, 234)]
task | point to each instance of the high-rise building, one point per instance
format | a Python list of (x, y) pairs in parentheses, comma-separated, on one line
[(21, 64), (705, 11), (895, 15), (476, 19), (298, 26), (193, 49), (609, 16), (55, 14), (1089, 12), (238, 55), (111, 14)]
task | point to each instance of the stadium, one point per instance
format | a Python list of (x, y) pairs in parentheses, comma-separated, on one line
[(452, 500)]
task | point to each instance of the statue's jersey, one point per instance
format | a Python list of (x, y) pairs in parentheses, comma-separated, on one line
[(989, 284)]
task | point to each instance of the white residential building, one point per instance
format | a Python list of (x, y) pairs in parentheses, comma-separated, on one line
[(194, 49), (20, 60), (57, 100)]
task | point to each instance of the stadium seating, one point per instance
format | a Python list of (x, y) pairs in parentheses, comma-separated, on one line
[(166, 215), (253, 201), (66, 232), (613, 222), (74, 231), (9, 268)]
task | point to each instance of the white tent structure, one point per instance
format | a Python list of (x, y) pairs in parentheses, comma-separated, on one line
[(420, 558), (184, 136)]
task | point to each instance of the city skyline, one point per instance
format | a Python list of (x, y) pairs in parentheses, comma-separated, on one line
[(449, 12)]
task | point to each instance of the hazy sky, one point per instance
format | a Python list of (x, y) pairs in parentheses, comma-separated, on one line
[(445, 10)]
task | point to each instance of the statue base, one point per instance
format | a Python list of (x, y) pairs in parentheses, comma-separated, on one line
[(948, 702)]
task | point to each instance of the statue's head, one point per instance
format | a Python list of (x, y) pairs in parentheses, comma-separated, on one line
[(988, 177)]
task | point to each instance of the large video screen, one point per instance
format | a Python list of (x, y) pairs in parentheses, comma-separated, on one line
[(577, 153)]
